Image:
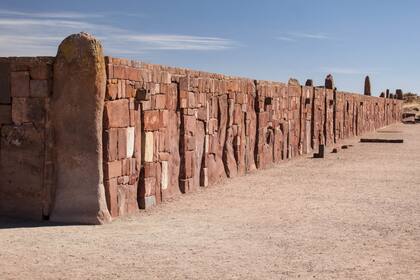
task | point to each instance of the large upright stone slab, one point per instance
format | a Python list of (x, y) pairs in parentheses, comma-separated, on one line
[(367, 91), (76, 112)]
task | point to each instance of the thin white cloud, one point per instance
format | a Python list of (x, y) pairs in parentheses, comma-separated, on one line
[(298, 36), (178, 42), (317, 36), (62, 15), (24, 33), (286, 39)]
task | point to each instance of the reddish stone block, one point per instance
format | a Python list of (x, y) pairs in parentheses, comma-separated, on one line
[(113, 169), (122, 143), (5, 114), (188, 164), (191, 100), (111, 91), (190, 124), (25, 110), (151, 120), (189, 143), (111, 144), (159, 101), (110, 71), (237, 115), (20, 84), (119, 72), (165, 78), (41, 72), (147, 187), (163, 118), (133, 74), (39, 88), (111, 187), (149, 169), (116, 114), (126, 167), (263, 119)]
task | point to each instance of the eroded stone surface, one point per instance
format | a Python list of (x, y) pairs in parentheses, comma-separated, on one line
[(77, 109)]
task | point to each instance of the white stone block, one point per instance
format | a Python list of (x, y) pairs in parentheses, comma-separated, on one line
[(148, 147), (130, 142), (165, 175)]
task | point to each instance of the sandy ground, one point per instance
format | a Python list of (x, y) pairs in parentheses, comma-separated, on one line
[(353, 215)]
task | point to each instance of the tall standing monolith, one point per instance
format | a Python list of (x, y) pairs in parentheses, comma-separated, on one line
[(76, 113), (367, 91), (329, 82)]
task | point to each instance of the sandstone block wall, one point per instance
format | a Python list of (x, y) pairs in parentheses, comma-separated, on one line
[(192, 129), (26, 166), (165, 131)]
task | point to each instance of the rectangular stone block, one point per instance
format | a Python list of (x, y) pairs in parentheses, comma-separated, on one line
[(165, 175), (111, 144), (148, 146), (130, 142), (188, 164), (159, 101), (147, 188), (4, 83), (41, 72), (26, 110), (39, 88), (111, 192), (147, 202), (21, 167), (113, 169), (19, 84), (116, 113), (122, 143), (151, 120), (190, 123), (149, 169), (119, 72), (5, 114), (111, 91)]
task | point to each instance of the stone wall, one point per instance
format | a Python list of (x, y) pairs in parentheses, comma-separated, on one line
[(170, 131), (165, 131), (25, 149)]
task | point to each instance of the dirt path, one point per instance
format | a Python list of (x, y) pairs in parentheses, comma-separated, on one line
[(353, 215)]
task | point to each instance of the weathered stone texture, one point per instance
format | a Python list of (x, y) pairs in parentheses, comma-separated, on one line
[(105, 137), (77, 115)]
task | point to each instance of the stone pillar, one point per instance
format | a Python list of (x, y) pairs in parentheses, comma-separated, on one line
[(329, 82), (399, 94), (76, 113), (367, 91)]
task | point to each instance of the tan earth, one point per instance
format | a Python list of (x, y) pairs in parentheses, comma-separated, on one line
[(352, 215)]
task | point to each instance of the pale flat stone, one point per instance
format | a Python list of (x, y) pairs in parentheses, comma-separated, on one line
[(148, 147), (130, 142), (165, 175)]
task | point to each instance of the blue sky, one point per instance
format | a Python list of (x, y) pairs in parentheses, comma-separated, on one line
[(272, 40)]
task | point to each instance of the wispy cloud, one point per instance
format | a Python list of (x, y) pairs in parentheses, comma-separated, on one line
[(24, 33), (317, 36), (286, 39), (62, 15), (298, 36)]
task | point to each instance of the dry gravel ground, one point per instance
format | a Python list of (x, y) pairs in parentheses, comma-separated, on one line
[(353, 215)]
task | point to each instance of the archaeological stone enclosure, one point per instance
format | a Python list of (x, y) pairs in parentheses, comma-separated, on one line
[(86, 138)]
